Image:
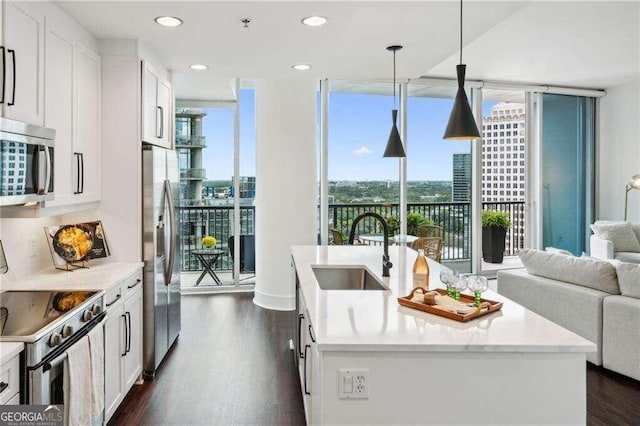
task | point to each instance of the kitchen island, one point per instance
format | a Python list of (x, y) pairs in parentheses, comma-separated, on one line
[(364, 359)]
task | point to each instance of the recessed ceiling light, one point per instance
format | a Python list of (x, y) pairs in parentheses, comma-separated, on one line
[(301, 67), (168, 21), (314, 21), (198, 67)]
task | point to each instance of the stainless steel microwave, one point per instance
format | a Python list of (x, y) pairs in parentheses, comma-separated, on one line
[(26, 163)]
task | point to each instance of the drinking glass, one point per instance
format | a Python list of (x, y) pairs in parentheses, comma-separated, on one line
[(478, 284), (459, 285), (445, 277)]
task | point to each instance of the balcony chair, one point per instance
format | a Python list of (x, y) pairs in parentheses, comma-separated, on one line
[(247, 254), (432, 247), (431, 231), (337, 237)]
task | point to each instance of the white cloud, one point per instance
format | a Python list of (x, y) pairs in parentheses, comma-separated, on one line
[(363, 150)]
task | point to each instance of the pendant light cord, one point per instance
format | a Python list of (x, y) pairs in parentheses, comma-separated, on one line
[(460, 31), (394, 79)]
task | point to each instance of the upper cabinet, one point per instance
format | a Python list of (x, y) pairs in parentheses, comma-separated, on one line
[(57, 85), (23, 54), (157, 111)]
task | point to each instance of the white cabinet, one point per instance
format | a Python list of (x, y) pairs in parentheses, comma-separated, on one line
[(156, 108), (59, 108), (10, 379), (23, 50), (72, 88), (87, 138), (123, 341)]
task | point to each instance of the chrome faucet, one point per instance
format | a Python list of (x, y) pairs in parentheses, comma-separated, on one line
[(386, 264)]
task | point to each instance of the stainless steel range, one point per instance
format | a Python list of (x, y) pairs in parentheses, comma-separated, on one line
[(49, 323)]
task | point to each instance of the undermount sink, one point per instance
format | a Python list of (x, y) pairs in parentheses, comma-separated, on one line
[(346, 278)]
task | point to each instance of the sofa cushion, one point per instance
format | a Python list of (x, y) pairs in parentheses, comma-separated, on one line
[(557, 251), (627, 256), (596, 274), (620, 233), (628, 278)]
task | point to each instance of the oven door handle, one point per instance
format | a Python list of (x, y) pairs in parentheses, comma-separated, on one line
[(59, 354)]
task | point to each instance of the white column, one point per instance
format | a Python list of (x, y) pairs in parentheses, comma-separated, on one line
[(286, 186)]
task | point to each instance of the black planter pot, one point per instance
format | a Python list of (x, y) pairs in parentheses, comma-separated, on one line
[(493, 238)]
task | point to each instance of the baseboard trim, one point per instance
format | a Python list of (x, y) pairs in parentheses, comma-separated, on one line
[(274, 302)]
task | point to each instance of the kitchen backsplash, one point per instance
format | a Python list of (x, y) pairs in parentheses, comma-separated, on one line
[(17, 235)]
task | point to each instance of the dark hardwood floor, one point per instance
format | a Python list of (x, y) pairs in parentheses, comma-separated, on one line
[(231, 365)]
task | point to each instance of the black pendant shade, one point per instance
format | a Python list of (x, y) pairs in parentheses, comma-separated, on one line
[(394, 144), (462, 124)]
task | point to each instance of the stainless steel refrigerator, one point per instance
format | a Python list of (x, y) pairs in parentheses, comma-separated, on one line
[(160, 194)]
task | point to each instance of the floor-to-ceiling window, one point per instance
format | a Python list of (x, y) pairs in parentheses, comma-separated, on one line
[(216, 148), (439, 178)]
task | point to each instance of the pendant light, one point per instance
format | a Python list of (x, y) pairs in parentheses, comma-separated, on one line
[(394, 144), (462, 124)]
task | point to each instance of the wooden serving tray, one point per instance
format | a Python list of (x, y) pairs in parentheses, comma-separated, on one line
[(486, 306)]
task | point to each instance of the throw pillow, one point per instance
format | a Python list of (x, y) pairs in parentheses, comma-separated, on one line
[(620, 233), (592, 273), (557, 251), (628, 279)]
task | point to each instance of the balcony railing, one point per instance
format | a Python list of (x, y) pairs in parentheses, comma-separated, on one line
[(454, 217), (217, 221), (193, 174), (191, 142)]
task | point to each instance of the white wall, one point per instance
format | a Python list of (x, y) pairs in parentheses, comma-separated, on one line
[(286, 185), (618, 152), (16, 236)]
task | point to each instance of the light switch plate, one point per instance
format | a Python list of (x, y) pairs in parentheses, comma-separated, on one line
[(353, 383)]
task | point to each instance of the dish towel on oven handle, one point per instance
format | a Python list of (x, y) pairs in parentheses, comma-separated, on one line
[(96, 349), (77, 384)]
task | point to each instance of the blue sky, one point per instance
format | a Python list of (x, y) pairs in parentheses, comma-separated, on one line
[(359, 126)]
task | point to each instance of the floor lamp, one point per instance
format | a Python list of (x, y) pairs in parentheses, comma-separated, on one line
[(634, 184)]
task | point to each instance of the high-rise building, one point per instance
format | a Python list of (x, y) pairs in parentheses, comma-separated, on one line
[(190, 142), (503, 153), (461, 187)]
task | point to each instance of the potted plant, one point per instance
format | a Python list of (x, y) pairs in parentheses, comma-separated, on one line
[(494, 231), (415, 221), (208, 241)]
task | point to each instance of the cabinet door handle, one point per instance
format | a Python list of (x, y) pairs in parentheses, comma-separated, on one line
[(82, 169), (128, 332), (13, 96), (306, 392), (133, 285), (77, 155), (114, 300), (161, 122), (126, 335), (3, 386), (313, 339), (4, 72), (300, 318)]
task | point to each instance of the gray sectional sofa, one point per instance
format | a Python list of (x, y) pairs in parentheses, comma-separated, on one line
[(598, 300)]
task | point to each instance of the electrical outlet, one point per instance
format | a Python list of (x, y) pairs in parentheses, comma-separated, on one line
[(353, 383)]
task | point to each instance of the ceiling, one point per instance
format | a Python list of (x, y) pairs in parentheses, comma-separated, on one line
[(579, 44)]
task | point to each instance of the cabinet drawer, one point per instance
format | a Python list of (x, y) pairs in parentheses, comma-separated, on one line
[(114, 297), (10, 374), (132, 284)]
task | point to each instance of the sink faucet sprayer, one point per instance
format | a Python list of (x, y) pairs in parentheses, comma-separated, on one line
[(386, 264)]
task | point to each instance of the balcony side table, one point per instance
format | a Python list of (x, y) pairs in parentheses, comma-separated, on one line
[(208, 258)]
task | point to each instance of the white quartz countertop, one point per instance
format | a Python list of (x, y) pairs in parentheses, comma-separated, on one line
[(374, 320), (98, 277)]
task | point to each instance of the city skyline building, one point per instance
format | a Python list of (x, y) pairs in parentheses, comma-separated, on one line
[(503, 153), (461, 185), (189, 143)]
